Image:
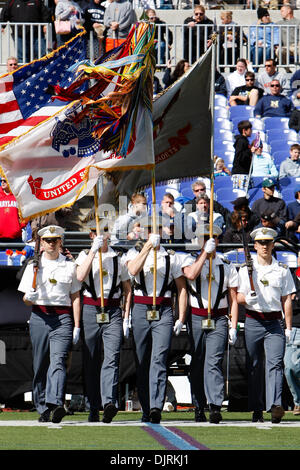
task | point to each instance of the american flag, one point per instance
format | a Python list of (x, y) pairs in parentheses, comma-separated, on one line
[(24, 98)]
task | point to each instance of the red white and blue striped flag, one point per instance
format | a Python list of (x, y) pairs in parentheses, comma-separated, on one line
[(24, 98)]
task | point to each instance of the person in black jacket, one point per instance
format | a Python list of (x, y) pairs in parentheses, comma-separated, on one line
[(242, 157), (195, 34), (93, 15), (26, 11), (163, 38)]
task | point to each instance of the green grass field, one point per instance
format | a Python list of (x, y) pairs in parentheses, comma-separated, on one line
[(67, 436)]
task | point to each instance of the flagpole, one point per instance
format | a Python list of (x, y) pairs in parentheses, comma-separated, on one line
[(209, 323), (154, 225), (100, 254)]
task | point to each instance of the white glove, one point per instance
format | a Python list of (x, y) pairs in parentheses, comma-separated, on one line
[(76, 334), (232, 333), (154, 239), (210, 245), (177, 327), (287, 334), (251, 299), (97, 243), (32, 296), (126, 327)]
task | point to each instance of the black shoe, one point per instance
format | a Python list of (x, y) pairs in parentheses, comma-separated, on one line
[(257, 417), (45, 417), (109, 412), (93, 416), (155, 415), (145, 418), (277, 413), (214, 414), (200, 416), (57, 414)]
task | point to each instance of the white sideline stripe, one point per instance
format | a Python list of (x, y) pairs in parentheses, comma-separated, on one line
[(266, 425)]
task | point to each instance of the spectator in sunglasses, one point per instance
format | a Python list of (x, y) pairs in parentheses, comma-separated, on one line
[(274, 104)]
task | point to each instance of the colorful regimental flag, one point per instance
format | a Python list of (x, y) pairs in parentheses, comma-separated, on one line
[(182, 120), (55, 161)]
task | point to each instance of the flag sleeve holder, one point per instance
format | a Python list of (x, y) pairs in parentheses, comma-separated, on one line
[(102, 316)]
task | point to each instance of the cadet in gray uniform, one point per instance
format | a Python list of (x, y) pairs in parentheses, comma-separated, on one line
[(208, 346), (264, 335), (55, 308), (108, 328), (153, 333)]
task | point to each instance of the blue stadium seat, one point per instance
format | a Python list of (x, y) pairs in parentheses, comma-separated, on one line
[(281, 145), (220, 100), (228, 157), (286, 134), (276, 123), (288, 195), (222, 123), (224, 134), (221, 112), (242, 112), (222, 182), (225, 194), (257, 181), (223, 146), (279, 156), (288, 181)]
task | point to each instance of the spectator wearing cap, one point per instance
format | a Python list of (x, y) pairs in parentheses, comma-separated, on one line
[(269, 219), (263, 37), (241, 204), (269, 202), (291, 165), (263, 165), (274, 104)]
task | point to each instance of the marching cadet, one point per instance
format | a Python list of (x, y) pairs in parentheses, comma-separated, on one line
[(55, 308), (106, 325), (153, 325), (208, 345), (264, 336)]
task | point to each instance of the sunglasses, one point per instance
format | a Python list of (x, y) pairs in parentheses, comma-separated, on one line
[(198, 190), (199, 14), (249, 79), (50, 240), (274, 86), (268, 65)]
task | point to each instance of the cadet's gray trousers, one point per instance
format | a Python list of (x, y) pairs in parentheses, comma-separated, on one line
[(264, 340), (101, 381), (206, 374), (152, 341), (51, 338)]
